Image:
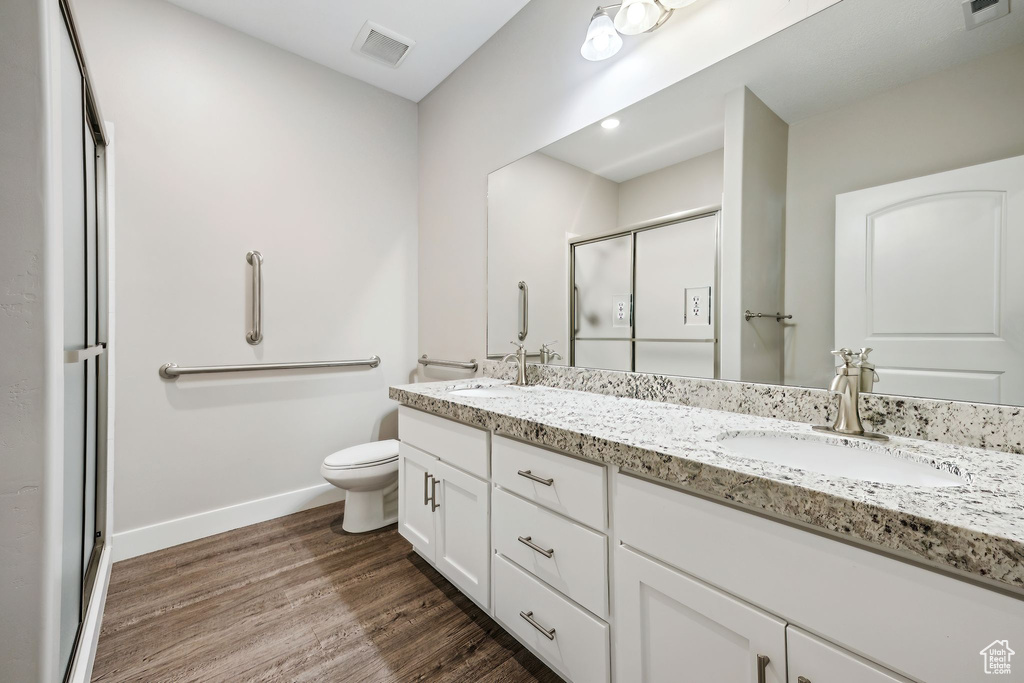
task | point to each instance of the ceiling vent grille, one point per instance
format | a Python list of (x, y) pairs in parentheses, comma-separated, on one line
[(978, 12), (382, 45)]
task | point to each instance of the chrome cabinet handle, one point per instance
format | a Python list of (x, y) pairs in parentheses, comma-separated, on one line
[(802, 679), (533, 477), (433, 493), (762, 665), (528, 542), (524, 322), (426, 488), (547, 633), (255, 336)]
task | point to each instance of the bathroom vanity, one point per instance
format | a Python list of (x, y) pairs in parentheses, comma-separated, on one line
[(620, 539)]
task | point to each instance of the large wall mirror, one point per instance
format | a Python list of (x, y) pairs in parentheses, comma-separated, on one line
[(856, 180)]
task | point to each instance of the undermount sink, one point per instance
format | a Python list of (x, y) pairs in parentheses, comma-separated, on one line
[(487, 392), (837, 457)]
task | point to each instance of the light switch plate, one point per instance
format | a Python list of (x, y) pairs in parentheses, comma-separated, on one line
[(698, 306)]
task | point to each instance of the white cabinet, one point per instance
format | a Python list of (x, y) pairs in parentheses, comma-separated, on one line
[(462, 551), (670, 627), (445, 514), (572, 641), (812, 660), (415, 516)]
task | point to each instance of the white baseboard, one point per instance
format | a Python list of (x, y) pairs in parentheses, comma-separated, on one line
[(85, 652), (146, 539)]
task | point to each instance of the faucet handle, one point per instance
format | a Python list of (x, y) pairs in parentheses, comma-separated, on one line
[(845, 354), (516, 344), (549, 344), (863, 353)]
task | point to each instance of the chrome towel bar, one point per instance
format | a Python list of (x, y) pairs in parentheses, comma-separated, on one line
[(173, 371), (471, 365), (747, 315)]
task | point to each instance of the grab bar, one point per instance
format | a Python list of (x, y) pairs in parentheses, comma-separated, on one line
[(255, 336), (173, 371), (471, 365), (524, 323)]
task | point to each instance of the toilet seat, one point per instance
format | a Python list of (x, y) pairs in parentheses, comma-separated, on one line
[(363, 455)]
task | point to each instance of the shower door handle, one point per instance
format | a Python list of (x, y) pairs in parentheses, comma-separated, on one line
[(524, 322), (255, 336)]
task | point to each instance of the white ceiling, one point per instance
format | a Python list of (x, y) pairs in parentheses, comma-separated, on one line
[(850, 51), (446, 33)]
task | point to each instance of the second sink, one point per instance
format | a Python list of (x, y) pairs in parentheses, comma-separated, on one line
[(832, 456)]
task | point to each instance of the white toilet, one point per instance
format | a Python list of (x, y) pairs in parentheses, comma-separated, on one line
[(369, 475)]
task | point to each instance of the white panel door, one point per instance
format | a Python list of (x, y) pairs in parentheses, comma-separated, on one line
[(463, 531), (927, 274), (415, 516), (816, 661), (671, 628)]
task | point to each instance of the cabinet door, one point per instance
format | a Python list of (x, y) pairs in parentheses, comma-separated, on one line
[(673, 628), (415, 517), (463, 539), (812, 660)]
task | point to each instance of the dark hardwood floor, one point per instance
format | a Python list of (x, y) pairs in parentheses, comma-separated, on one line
[(298, 599)]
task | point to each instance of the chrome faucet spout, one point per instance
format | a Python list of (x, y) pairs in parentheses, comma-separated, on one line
[(846, 384), (520, 357)]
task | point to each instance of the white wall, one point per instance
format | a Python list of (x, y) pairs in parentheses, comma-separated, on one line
[(967, 115), (226, 144), (534, 207), (31, 366), (691, 184), (525, 88)]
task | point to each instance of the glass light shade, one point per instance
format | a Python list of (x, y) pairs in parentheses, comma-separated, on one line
[(677, 4), (637, 16), (603, 40)]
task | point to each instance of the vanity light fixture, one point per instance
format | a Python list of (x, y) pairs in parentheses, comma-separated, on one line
[(631, 18), (603, 41), (609, 124)]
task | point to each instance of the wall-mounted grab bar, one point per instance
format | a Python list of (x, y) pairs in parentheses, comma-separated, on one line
[(524, 322), (747, 315), (173, 371), (471, 365), (255, 336)]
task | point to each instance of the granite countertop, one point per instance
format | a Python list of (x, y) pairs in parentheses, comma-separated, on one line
[(975, 528)]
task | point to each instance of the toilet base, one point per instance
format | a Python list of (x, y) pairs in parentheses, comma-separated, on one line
[(369, 510)]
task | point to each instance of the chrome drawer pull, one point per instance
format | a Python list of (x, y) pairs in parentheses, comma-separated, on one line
[(762, 665), (433, 493), (426, 488), (549, 634), (528, 542), (534, 477)]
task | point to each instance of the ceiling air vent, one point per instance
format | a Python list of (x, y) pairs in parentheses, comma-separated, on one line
[(978, 12), (382, 45)]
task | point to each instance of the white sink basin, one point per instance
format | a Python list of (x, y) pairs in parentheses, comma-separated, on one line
[(833, 457), (487, 392)]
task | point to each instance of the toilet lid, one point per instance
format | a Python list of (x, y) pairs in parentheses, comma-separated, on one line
[(363, 455)]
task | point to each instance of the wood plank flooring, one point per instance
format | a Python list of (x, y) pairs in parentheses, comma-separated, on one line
[(298, 599)]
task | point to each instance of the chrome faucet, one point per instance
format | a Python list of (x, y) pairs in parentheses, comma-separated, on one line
[(520, 355), (846, 384), (548, 354)]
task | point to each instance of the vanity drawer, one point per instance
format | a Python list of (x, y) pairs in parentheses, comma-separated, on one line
[(573, 642), (457, 444), (577, 567), (572, 487)]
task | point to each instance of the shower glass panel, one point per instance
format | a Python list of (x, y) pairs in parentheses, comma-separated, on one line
[(602, 307)]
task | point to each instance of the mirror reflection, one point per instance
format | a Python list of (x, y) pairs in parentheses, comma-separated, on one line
[(856, 181)]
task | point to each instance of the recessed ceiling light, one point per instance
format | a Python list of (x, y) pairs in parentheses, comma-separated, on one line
[(608, 124)]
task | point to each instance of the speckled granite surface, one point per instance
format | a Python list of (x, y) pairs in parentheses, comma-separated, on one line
[(977, 527), (978, 425)]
